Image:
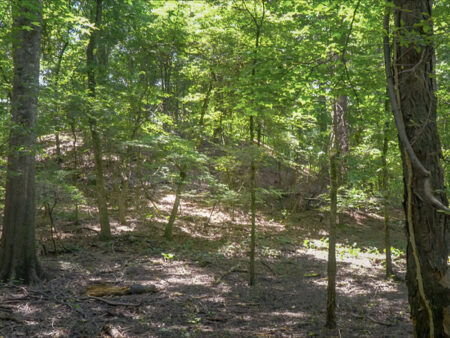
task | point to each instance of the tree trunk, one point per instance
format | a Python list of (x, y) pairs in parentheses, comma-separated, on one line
[(59, 159), (343, 135), (385, 190), (76, 214), (201, 122), (105, 229), (121, 193), (173, 215), (413, 100), (334, 181), (252, 208), (18, 260), (252, 254)]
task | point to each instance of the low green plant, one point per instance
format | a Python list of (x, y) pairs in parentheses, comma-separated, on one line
[(168, 256)]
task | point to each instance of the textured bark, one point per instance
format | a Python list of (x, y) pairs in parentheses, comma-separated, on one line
[(105, 229), (427, 275), (18, 260)]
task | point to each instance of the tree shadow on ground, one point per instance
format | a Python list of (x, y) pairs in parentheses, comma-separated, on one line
[(202, 281)]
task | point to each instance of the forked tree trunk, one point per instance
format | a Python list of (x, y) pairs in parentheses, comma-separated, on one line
[(412, 94), (18, 260), (105, 229)]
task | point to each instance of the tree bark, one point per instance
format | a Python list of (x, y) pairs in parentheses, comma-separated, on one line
[(385, 190), (252, 253), (18, 260), (252, 208), (343, 135), (105, 229), (334, 183), (411, 90), (173, 215)]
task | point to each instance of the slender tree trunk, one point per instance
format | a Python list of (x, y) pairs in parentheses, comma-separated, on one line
[(334, 181), (342, 142), (173, 215), (385, 190), (120, 192), (252, 207), (258, 26), (413, 100), (343, 135), (59, 159), (76, 214), (201, 122), (105, 229), (18, 260)]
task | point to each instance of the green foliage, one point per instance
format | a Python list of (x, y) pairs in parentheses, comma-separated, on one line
[(168, 256), (178, 80), (53, 186)]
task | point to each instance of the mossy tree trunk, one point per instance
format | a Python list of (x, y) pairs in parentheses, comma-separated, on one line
[(18, 260)]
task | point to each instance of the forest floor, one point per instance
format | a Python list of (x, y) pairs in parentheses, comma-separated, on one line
[(200, 279)]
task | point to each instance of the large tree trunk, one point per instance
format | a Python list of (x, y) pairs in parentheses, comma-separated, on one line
[(18, 260), (105, 230), (412, 89)]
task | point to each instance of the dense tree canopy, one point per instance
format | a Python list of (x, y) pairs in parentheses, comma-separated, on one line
[(258, 105)]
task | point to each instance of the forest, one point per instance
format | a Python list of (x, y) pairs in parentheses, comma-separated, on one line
[(224, 168)]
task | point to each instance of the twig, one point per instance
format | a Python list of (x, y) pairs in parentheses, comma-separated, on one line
[(268, 267), (379, 322), (210, 215), (111, 302), (231, 270), (90, 229)]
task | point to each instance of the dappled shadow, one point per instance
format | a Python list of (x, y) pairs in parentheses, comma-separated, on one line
[(201, 277), (288, 299)]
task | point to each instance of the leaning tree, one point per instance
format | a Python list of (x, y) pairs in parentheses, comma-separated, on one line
[(412, 87), (18, 260)]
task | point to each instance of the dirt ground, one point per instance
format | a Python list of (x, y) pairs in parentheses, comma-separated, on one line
[(201, 280)]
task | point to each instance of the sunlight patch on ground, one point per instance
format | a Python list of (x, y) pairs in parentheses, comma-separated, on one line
[(26, 309), (285, 314), (56, 332), (120, 228)]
